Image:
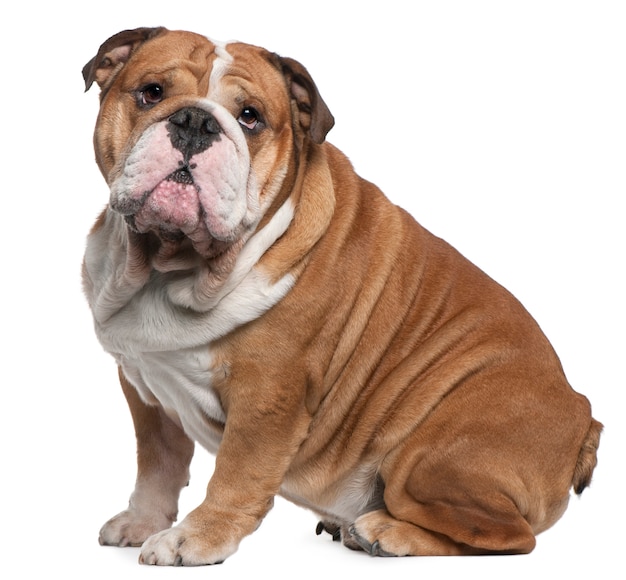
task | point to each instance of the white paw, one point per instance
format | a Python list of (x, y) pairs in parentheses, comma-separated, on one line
[(131, 528), (182, 546)]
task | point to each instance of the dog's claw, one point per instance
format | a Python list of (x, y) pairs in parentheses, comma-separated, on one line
[(332, 529), (373, 549), (378, 551)]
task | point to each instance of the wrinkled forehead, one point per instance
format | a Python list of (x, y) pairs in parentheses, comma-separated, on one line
[(240, 69), (217, 68)]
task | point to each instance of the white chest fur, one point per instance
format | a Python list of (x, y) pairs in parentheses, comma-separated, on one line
[(181, 382), (161, 338)]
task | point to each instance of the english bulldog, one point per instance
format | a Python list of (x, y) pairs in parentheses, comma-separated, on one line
[(262, 299)]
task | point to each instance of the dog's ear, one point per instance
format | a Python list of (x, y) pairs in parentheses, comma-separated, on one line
[(114, 53), (313, 112)]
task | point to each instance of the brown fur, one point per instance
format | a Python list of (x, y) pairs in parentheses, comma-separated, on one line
[(392, 360)]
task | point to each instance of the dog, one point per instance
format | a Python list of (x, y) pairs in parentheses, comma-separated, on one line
[(263, 300)]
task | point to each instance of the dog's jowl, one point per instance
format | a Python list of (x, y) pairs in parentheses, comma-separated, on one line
[(264, 301)]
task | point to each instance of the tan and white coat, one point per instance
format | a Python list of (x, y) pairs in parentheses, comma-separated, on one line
[(263, 300)]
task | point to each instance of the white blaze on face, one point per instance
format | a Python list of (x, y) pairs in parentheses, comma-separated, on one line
[(221, 64)]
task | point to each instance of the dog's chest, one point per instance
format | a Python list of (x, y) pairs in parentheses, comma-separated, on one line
[(181, 382), (161, 333), (165, 350)]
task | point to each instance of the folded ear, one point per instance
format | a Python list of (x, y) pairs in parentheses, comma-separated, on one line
[(315, 116), (114, 53)]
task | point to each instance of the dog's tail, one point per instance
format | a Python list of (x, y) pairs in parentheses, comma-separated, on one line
[(587, 458)]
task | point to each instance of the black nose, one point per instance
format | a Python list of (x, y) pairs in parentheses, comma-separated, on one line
[(193, 130)]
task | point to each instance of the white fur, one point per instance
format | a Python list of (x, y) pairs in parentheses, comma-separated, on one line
[(180, 381), (182, 293), (161, 334), (220, 66), (164, 314)]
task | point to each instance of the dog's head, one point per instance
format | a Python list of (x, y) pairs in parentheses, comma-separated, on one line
[(197, 139)]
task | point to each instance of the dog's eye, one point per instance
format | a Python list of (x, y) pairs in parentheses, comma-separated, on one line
[(249, 118), (151, 95)]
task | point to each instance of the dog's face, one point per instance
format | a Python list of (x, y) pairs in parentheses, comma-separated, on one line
[(197, 140)]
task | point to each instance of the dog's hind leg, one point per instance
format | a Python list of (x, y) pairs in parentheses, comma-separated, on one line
[(439, 507), (380, 534), (164, 453)]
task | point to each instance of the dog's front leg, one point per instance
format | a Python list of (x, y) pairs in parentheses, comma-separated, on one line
[(164, 453), (264, 429)]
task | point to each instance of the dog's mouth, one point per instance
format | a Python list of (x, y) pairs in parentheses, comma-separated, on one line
[(172, 208), (173, 212), (199, 195)]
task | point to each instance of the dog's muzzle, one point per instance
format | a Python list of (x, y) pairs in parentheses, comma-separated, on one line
[(187, 176)]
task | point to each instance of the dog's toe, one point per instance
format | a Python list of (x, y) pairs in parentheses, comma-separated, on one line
[(184, 545), (131, 528), (372, 548)]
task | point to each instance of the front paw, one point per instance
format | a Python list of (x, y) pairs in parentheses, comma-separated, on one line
[(131, 528), (185, 546)]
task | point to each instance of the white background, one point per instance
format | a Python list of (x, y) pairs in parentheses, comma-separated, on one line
[(500, 125)]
